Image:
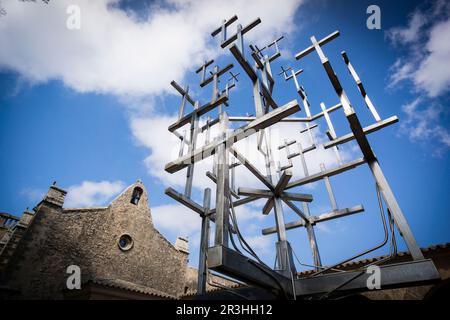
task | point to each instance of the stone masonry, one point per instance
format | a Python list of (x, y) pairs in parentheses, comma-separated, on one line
[(57, 237)]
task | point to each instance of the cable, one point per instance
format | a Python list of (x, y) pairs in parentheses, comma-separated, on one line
[(312, 265), (391, 251), (386, 238)]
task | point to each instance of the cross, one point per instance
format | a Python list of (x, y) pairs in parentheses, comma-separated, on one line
[(285, 146), (300, 89), (275, 196), (240, 31), (231, 83), (184, 97), (277, 49), (223, 28), (361, 88), (312, 220), (330, 133), (301, 152), (276, 193), (202, 69), (194, 131), (235, 136), (214, 78), (360, 135), (263, 62), (258, 52)]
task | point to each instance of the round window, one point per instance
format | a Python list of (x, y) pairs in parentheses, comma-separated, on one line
[(125, 242)]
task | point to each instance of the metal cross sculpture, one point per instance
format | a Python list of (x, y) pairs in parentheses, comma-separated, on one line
[(224, 256)]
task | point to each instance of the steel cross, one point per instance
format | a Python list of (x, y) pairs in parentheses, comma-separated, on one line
[(184, 97), (240, 31), (214, 78), (202, 69), (360, 135)]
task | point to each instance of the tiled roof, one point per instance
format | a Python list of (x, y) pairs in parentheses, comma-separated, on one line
[(210, 289), (129, 286), (373, 259)]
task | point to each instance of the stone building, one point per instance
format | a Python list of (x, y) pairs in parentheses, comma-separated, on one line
[(117, 248), (121, 255)]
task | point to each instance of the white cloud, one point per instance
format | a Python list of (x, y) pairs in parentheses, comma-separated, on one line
[(422, 123), (433, 73), (33, 194), (176, 219), (115, 51), (262, 245), (409, 34), (426, 66), (90, 193), (426, 40)]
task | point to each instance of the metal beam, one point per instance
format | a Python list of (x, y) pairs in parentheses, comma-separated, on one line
[(182, 92), (185, 201), (306, 119), (251, 168), (240, 267), (244, 64), (252, 75), (395, 210), (316, 219), (336, 214), (213, 178), (237, 135), (321, 43), (290, 196), (255, 192), (226, 24), (199, 112), (243, 31), (282, 182), (329, 173), (237, 203), (204, 244), (296, 210), (218, 74), (268, 206), (369, 129), (402, 275), (260, 193)]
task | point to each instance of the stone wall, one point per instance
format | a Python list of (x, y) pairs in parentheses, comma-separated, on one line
[(59, 237)]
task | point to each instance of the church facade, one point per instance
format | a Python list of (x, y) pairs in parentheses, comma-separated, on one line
[(119, 252)]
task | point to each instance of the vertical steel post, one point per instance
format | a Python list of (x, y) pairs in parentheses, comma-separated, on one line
[(284, 250), (312, 238), (183, 102), (330, 192), (240, 39), (215, 85), (303, 160), (224, 30), (204, 244), (374, 166), (192, 145), (183, 141), (332, 133), (395, 210), (223, 187)]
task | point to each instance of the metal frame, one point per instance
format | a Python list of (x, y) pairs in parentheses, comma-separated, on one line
[(229, 260)]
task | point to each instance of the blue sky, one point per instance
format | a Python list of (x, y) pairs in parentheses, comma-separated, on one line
[(89, 108)]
